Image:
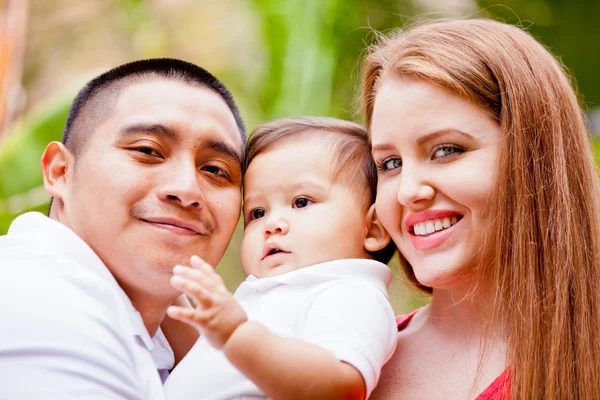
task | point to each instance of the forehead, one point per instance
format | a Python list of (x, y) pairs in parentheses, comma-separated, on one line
[(414, 106), (195, 112), (291, 160)]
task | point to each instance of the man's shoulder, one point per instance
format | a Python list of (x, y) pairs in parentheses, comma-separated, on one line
[(38, 287)]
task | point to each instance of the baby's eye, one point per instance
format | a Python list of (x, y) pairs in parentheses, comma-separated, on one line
[(257, 213), (446, 150), (301, 202)]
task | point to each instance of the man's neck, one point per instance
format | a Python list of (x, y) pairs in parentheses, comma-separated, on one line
[(151, 309)]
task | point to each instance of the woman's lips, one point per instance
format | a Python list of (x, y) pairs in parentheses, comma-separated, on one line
[(434, 239), (430, 228)]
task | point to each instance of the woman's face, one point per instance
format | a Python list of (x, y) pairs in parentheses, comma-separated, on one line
[(436, 155)]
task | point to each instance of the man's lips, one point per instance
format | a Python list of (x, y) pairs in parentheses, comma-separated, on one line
[(176, 225)]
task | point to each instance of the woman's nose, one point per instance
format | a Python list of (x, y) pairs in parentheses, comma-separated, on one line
[(414, 189)]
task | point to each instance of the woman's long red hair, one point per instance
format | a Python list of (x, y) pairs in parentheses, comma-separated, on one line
[(545, 238)]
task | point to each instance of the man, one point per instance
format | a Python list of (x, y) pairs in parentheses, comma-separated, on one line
[(147, 175)]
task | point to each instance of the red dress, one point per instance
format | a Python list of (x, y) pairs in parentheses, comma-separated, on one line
[(496, 390)]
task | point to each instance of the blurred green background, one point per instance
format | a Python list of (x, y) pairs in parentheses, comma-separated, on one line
[(279, 58)]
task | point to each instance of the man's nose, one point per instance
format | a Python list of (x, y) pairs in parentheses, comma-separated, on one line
[(414, 188), (276, 223), (183, 186)]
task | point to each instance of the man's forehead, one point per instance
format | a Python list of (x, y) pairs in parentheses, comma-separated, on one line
[(182, 107)]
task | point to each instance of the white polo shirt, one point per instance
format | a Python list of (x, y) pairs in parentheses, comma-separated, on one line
[(341, 306), (68, 330)]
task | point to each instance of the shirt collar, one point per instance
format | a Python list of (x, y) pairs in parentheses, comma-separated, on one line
[(56, 238), (372, 272)]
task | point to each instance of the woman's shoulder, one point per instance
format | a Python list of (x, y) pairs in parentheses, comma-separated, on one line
[(498, 390)]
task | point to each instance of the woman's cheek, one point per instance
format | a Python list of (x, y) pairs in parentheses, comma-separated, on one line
[(388, 209)]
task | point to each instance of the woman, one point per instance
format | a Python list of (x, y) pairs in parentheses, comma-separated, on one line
[(488, 186)]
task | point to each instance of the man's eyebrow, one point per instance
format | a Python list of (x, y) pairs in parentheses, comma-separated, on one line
[(223, 149), (155, 129)]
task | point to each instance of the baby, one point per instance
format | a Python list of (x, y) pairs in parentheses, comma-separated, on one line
[(312, 320)]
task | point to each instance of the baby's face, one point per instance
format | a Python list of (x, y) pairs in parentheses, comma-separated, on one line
[(295, 214)]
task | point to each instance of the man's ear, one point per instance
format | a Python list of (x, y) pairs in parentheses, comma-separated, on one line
[(376, 237), (56, 162)]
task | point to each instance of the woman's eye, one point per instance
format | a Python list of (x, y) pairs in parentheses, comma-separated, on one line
[(215, 170), (301, 202), (446, 150), (389, 164), (257, 213)]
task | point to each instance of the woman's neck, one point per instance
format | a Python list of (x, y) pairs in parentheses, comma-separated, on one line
[(461, 311)]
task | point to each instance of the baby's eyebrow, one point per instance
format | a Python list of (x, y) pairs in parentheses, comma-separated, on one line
[(309, 184), (249, 199), (306, 186)]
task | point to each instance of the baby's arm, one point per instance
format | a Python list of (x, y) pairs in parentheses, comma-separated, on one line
[(283, 368)]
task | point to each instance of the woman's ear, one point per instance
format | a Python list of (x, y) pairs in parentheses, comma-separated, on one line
[(376, 237), (55, 163)]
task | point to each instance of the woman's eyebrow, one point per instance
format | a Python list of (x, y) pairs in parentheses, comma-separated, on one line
[(382, 147), (432, 135)]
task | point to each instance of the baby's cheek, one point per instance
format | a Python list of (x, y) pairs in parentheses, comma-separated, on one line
[(246, 251)]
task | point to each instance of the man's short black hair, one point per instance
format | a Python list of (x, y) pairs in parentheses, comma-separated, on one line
[(160, 67), (167, 68)]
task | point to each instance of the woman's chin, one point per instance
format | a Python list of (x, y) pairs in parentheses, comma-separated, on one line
[(443, 279)]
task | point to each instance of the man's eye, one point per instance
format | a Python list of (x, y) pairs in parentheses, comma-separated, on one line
[(215, 170), (301, 202), (446, 150), (149, 151), (257, 213)]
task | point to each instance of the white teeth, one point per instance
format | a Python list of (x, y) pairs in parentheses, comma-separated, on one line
[(429, 227), (434, 225)]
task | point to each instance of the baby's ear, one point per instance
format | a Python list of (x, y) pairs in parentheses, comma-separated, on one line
[(376, 237)]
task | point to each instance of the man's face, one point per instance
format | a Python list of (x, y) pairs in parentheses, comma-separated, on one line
[(157, 182)]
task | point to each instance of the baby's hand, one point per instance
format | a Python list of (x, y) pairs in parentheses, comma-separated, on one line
[(217, 313)]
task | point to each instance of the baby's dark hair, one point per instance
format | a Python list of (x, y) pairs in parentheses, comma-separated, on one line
[(350, 145)]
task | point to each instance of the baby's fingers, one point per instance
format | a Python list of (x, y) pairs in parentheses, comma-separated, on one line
[(183, 314), (197, 318), (206, 269), (201, 296)]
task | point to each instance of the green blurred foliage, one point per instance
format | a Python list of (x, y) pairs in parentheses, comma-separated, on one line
[(20, 153), (296, 58)]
